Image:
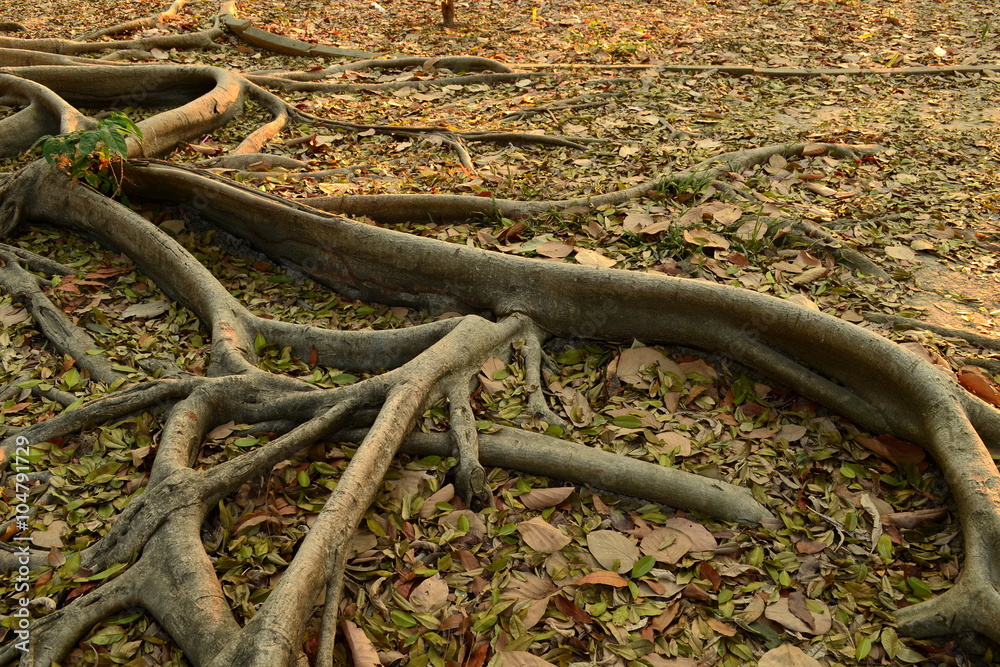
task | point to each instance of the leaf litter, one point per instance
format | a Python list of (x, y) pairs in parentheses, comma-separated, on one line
[(557, 575)]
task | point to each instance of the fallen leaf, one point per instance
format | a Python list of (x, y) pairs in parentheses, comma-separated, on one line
[(901, 252), (541, 536), (797, 605), (666, 545), (916, 517), (975, 381), (633, 360), (571, 610), (787, 655), (538, 499), (476, 525), (701, 538), (728, 215), (443, 495), (521, 659), (705, 239), (588, 257), (9, 316), (528, 586), (612, 549), (554, 249), (722, 628), (605, 577), (51, 537), (146, 310), (779, 612), (430, 595), (635, 222), (660, 661), (893, 449), (363, 653)]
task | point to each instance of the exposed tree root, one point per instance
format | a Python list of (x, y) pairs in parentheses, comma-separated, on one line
[(900, 322), (396, 209)]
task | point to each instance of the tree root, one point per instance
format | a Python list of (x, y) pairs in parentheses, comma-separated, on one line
[(399, 209), (900, 322)]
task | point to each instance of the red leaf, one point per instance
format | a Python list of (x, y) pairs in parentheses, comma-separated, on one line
[(605, 577), (569, 608), (893, 449), (709, 572), (478, 657), (975, 381), (695, 592)]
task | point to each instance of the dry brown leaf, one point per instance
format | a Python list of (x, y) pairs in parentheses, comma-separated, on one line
[(521, 659), (613, 550), (430, 595), (51, 537), (10, 315), (673, 440), (588, 257), (575, 404), (554, 249), (605, 577), (753, 610), (666, 545), (821, 190), (443, 495), (893, 449), (410, 482), (811, 149), (541, 536), (476, 525), (722, 628), (787, 655), (779, 612), (901, 252), (660, 661), (528, 586), (633, 360), (635, 222), (916, 517), (535, 612), (538, 499), (362, 650), (810, 275), (701, 539), (728, 215), (705, 239), (797, 605), (975, 381)]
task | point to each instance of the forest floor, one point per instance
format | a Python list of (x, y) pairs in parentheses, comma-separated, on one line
[(866, 523)]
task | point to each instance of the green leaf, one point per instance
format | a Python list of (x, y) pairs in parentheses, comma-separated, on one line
[(643, 566), (885, 547), (259, 343), (919, 588), (104, 574), (863, 649), (627, 421), (402, 619), (891, 643)]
